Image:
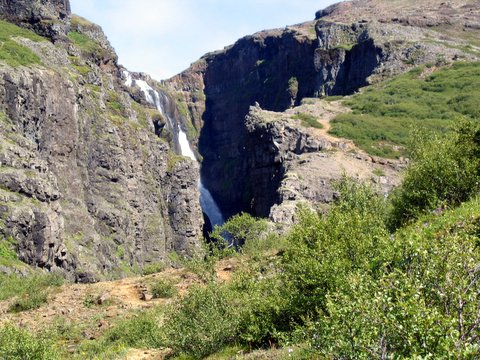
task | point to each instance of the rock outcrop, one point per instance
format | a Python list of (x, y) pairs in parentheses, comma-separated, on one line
[(348, 46), (88, 184), (298, 164)]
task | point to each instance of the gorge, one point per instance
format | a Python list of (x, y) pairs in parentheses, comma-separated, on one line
[(213, 216), (339, 158), (91, 181)]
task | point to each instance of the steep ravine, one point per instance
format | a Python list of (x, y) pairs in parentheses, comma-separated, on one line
[(278, 69), (173, 124)]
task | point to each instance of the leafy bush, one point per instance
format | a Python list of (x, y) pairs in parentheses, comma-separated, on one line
[(29, 301), (293, 87), (423, 304), (15, 285), (31, 292), (269, 243), (17, 344), (348, 288), (445, 171), (263, 307), (324, 249), (203, 322), (163, 289), (382, 318), (153, 268), (240, 229), (142, 330)]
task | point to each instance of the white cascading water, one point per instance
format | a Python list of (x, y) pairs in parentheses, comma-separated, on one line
[(208, 204)]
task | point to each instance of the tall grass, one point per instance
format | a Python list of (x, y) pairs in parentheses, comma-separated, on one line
[(30, 292), (13, 53), (18, 344)]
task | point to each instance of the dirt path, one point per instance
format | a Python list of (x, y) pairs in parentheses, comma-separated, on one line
[(94, 306), (325, 112)]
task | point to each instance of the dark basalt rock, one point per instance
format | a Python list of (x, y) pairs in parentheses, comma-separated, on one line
[(259, 69), (255, 69)]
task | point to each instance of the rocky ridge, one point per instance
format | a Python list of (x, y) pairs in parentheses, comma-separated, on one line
[(89, 182)]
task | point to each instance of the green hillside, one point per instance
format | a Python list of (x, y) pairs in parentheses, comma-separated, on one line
[(384, 114)]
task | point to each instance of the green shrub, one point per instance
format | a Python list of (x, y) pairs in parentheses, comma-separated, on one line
[(163, 289), (204, 265), (423, 304), (264, 303), (203, 322), (153, 268), (324, 249), (348, 288), (268, 243), (293, 87), (17, 344), (385, 318), (142, 330), (29, 301), (240, 229), (31, 291), (89, 301), (445, 171)]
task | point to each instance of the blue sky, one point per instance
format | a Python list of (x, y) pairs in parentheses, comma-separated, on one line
[(163, 37)]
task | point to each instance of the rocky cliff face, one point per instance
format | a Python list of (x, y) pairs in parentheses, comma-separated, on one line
[(274, 68), (88, 183), (350, 45)]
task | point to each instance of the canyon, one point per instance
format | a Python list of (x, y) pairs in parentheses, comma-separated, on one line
[(105, 172)]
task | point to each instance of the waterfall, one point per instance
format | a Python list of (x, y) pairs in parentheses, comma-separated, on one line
[(207, 202)]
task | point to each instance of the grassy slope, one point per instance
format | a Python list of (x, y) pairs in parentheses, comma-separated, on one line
[(13, 53), (382, 115)]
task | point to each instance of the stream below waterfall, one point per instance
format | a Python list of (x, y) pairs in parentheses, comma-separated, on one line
[(207, 202)]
